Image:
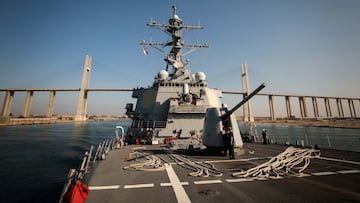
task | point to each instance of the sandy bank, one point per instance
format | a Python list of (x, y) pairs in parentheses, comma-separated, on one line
[(353, 123)]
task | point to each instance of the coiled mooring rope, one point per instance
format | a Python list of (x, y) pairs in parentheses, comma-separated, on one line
[(292, 161), (151, 162), (201, 169)]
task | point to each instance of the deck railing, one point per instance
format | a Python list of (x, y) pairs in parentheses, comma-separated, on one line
[(148, 124)]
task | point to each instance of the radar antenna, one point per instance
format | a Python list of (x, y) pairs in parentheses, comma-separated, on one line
[(173, 28)]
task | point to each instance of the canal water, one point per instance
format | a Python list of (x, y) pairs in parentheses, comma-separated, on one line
[(35, 159)]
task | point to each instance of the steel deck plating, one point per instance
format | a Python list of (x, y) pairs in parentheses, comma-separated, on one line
[(332, 177)]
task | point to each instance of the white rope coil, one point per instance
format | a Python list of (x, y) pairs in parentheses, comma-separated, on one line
[(291, 161), (146, 161), (150, 162), (201, 169)]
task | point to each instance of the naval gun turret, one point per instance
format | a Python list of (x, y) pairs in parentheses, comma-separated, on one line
[(179, 107), (217, 119)]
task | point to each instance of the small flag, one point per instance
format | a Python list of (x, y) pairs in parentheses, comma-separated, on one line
[(144, 50)]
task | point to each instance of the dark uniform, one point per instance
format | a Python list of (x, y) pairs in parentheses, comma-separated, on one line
[(228, 138), (264, 135)]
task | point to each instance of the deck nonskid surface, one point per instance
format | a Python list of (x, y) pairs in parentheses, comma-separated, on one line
[(333, 177)]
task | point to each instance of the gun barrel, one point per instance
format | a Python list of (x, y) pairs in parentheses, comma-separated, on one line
[(253, 93)]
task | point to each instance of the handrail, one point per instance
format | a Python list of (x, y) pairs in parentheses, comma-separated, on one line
[(77, 175), (148, 124)]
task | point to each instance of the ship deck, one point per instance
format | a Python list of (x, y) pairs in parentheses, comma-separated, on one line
[(332, 177)]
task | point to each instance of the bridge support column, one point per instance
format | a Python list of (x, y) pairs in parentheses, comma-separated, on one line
[(50, 109), (340, 107), (243, 80), (303, 110), (352, 108), (327, 107), (82, 103), (8, 100), (271, 106), (315, 107), (28, 101), (288, 107), (247, 109)]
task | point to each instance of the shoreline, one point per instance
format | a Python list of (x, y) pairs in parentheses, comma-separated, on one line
[(348, 123), (7, 121)]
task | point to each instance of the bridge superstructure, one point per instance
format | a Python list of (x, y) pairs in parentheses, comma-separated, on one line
[(247, 109)]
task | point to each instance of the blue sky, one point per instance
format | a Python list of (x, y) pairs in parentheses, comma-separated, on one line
[(295, 46)]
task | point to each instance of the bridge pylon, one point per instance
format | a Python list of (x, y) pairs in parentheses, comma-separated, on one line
[(82, 103), (247, 109)]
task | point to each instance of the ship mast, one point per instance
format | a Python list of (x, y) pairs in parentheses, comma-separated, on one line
[(174, 58)]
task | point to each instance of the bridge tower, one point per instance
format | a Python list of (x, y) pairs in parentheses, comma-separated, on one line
[(248, 115), (82, 103)]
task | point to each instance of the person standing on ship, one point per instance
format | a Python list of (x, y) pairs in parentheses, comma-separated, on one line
[(228, 139), (264, 135)]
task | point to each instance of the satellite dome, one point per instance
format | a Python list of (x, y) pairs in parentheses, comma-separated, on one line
[(163, 75), (200, 76)]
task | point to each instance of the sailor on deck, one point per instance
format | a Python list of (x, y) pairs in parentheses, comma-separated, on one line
[(264, 135), (228, 138)]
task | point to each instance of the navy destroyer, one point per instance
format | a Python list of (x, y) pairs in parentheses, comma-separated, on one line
[(169, 153), (179, 106)]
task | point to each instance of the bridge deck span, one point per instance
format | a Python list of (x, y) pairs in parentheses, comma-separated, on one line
[(352, 106)]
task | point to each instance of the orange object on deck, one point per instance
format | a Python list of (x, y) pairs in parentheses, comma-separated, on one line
[(168, 139), (137, 140), (78, 193)]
